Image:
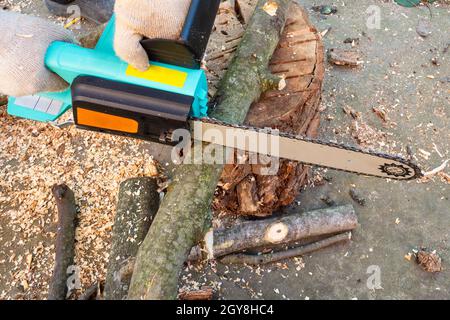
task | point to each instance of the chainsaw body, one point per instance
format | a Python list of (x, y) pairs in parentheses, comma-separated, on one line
[(107, 94)]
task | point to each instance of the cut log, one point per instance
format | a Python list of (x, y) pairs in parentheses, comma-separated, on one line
[(251, 259), (185, 210), (65, 241), (287, 229), (137, 204), (299, 58)]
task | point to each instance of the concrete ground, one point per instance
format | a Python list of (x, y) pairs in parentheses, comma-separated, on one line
[(398, 76)]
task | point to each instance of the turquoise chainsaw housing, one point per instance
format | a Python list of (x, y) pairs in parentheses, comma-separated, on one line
[(70, 61)]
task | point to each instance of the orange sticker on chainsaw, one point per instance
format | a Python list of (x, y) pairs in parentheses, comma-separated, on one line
[(101, 120), (159, 74)]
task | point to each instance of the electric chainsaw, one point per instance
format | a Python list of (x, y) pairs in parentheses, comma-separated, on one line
[(108, 95)]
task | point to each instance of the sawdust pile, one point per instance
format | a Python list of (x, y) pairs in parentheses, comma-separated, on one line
[(367, 136), (35, 156)]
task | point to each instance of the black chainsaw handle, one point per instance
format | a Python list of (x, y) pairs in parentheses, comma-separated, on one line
[(189, 50)]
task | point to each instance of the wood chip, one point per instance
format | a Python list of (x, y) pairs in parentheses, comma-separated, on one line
[(351, 112), (381, 113), (344, 57), (271, 7), (437, 170), (429, 261)]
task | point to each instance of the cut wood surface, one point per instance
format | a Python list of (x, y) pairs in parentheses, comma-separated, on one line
[(252, 259), (185, 210), (137, 204), (286, 229), (65, 241), (299, 58)]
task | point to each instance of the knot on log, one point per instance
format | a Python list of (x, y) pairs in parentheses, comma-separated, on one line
[(276, 233)]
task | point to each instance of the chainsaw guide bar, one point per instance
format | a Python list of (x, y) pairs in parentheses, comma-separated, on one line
[(313, 151)]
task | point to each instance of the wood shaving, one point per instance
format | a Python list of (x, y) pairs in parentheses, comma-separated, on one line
[(437, 170), (429, 261), (366, 136), (424, 154), (344, 57), (351, 112), (445, 177), (381, 113), (271, 7)]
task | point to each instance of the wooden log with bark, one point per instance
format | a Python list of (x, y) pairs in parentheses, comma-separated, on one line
[(252, 259), (65, 241), (185, 211), (137, 204), (284, 230), (205, 293)]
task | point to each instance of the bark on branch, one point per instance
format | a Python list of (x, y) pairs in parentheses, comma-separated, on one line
[(242, 258), (180, 221), (65, 241), (137, 204), (284, 230)]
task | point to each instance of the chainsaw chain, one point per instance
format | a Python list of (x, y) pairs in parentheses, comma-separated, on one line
[(417, 171)]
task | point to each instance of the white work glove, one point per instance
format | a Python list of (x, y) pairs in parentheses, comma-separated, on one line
[(23, 43), (154, 19)]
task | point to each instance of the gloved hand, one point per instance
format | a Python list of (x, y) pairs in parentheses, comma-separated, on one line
[(23, 43), (135, 19)]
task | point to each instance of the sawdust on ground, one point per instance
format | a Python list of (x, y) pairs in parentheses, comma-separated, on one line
[(33, 157)]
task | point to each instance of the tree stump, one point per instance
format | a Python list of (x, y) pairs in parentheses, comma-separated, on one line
[(300, 59)]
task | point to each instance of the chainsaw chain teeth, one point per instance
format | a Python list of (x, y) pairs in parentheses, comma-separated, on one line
[(391, 169)]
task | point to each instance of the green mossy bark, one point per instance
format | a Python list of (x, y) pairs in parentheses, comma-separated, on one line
[(65, 241), (180, 221)]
